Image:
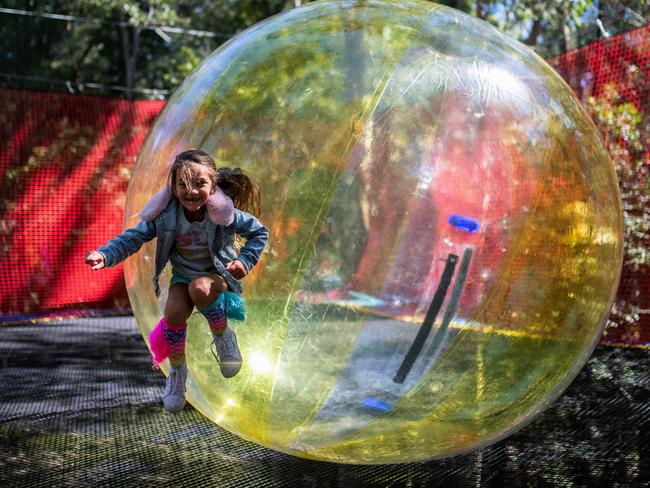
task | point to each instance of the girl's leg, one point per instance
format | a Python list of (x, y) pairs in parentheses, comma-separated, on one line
[(179, 305), (167, 340), (178, 308), (204, 292)]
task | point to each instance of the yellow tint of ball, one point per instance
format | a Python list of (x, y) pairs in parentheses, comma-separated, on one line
[(406, 154)]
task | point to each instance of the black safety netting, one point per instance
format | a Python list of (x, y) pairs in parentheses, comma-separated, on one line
[(80, 407)]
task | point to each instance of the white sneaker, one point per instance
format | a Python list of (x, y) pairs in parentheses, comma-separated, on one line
[(174, 396), (228, 355)]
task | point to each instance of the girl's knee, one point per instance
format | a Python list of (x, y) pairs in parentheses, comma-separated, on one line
[(176, 316), (200, 287), (179, 305), (206, 288)]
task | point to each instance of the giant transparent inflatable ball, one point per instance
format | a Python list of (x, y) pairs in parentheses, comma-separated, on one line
[(445, 231)]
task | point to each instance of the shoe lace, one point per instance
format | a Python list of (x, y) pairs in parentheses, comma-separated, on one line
[(174, 379), (214, 350), (226, 345), (171, 383)]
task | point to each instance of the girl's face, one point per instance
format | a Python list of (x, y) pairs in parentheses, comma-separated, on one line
[(193, 186)]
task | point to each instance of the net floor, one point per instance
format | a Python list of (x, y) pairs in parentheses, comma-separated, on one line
[(80, 407)]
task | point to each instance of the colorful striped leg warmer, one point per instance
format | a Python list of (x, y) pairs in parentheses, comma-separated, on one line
[(168, 341), (215, 314)]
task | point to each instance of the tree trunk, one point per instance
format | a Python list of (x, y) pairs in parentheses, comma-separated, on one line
[(77, 68), (566, 30), (535, 31), (480, 10), (130, 48)]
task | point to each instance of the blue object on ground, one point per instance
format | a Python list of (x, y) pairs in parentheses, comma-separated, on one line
[(466, 224), (376, 404)]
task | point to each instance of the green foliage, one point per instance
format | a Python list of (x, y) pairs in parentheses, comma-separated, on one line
[(555, 26), (626, 129), (119, 45)]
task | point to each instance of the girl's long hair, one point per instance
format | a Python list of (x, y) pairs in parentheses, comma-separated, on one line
[(241, 188), (234, 182)]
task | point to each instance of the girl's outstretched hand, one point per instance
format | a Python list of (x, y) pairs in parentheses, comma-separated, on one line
[(237, 269), (95, 260)]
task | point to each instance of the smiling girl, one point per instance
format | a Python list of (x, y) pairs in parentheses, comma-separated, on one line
[(196, 223)]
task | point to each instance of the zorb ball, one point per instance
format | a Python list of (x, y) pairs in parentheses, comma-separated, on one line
[(445, 231)]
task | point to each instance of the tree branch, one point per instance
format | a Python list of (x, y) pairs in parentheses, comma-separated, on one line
[(535, 31)]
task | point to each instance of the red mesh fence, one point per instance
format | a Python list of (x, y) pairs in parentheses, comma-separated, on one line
[(67, 159), (64, 166)]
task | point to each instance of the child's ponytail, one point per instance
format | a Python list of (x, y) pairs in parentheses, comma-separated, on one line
[(241, 188)]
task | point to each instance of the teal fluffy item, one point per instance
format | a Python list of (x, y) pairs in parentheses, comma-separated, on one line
[(233, 303)]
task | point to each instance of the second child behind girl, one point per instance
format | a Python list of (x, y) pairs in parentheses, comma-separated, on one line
[(196, 220)]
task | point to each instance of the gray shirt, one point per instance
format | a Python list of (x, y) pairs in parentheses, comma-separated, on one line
[(190, 255)]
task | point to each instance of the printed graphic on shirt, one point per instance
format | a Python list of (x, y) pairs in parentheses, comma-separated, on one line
[(191, 254), (193, 244)]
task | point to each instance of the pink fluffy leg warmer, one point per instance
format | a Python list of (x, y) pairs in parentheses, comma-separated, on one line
[(166, 339)]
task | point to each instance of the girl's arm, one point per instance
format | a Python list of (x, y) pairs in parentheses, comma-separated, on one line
[(127, 243), (256, 236)]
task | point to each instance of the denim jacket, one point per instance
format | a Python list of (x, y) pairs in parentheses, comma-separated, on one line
[(221, 241)]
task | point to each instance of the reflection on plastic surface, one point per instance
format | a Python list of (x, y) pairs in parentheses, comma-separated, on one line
[(377, 332)]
